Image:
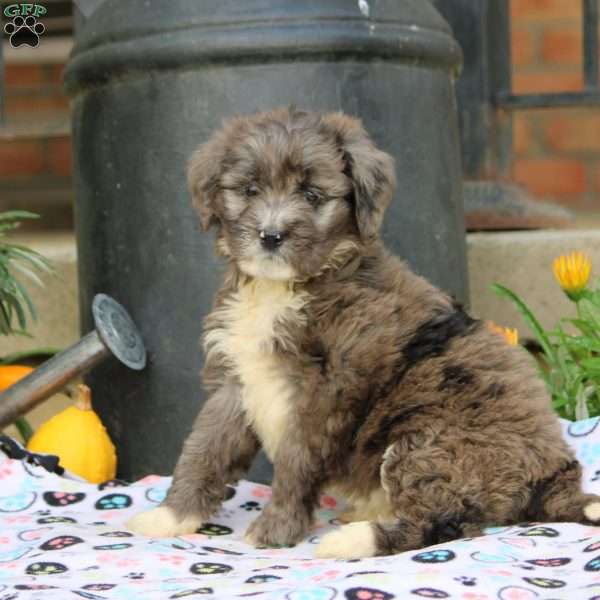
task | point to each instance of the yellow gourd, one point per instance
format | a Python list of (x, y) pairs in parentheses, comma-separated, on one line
[(76, 435)]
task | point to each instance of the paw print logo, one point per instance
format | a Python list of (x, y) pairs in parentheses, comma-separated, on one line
[(52, 519), (113, 502), (121, 546), (99, 587), (592, 547), (117, 534), (468, 581), (593, 565), (540, 531), (250, 506), (61, 542), (262, 578), (24, 31), (549, 562), (430, 593), (434, 556), (545, 583), (207, 568), (62, 498), (361, 593), (45, 568), (214, 529), (197, 591)]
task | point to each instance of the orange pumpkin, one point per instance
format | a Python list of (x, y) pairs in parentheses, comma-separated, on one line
[(10, 374)]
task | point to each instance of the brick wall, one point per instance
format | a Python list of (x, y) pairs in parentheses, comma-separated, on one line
[(556, 151), (35, 148)]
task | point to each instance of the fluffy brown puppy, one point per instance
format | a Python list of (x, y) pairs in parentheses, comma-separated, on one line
[(353, 373)]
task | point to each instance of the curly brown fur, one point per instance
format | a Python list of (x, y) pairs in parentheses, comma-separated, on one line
[(352, 372)]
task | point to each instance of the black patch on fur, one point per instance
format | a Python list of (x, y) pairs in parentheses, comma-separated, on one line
[(444, 530), (319, 355), (455, 378), (430, 339), (539, 489), (388, 423), (360, 194), (451, 527), (363, 197), (346, 158), (433, 337)]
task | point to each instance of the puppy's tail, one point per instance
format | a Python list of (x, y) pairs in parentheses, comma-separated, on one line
[(559, 497)]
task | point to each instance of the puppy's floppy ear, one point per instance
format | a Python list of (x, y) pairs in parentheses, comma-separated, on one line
[(371, 170), (204, 170)]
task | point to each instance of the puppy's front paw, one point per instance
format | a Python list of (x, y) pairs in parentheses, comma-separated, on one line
[(275, 529), (355, 540), (162, 522)]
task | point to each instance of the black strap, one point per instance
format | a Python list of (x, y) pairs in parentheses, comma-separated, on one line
[(14, 450)]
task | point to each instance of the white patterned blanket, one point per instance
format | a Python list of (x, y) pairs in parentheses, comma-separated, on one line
[(62, 539)]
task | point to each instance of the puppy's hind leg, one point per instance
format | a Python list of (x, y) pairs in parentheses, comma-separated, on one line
[(427, 494), (218, 451), (559, 497)]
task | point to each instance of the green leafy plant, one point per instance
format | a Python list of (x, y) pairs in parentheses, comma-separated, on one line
[(16, 306), (569, 361), (15, 301)]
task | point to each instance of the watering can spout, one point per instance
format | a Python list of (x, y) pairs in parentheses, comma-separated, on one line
[(115, 335)]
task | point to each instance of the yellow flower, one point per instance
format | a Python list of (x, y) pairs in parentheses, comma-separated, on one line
[(572, 271), (510, 335)]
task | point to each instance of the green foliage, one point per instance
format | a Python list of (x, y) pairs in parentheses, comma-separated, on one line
[(15, 302), (570, 360)]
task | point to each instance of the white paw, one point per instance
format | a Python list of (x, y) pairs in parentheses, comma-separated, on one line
[(250, 538), (161, 522), (355, 540), (592, 511)]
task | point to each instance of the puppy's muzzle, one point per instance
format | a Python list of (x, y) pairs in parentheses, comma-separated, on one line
[(271, 240)]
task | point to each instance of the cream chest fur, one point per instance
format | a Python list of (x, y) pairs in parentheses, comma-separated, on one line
[(246, 336)]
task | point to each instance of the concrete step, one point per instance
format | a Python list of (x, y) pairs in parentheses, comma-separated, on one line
[(522, 261)]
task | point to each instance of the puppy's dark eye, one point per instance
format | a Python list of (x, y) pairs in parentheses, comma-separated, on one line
[(313, 196), (250, 191)]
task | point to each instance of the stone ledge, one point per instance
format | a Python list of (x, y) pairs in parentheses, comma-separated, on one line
[(522, 261)]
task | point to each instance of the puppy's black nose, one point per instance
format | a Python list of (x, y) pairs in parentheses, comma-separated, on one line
[(271, 240)]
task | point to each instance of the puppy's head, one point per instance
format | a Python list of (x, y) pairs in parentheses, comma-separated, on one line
[(290, 191)]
